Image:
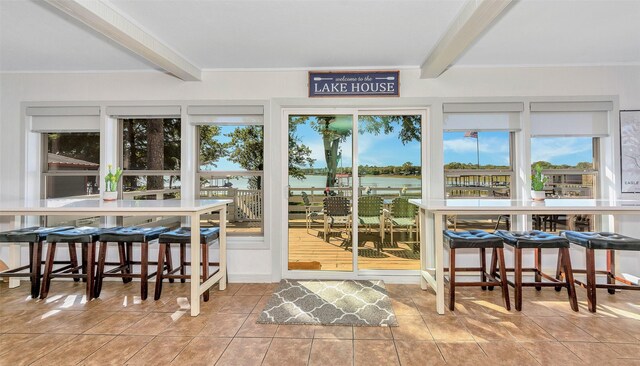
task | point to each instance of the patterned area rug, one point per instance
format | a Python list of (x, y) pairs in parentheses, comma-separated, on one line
[(359, 303)]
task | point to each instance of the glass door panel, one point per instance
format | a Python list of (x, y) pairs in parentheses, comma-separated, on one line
[(320, 192), (389, 168)]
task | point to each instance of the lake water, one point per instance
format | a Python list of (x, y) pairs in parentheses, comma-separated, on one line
[(318, 181)]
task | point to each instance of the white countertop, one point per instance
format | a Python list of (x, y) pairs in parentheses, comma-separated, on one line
[(548, 205), (98, 205)]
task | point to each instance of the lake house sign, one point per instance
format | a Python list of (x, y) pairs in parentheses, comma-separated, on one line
[(354, 84)]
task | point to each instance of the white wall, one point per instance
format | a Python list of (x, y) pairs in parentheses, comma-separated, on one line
[(152, 86)]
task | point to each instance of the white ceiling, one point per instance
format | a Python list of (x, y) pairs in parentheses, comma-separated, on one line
[(217, 34)]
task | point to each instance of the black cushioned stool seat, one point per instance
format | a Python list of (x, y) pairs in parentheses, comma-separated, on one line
[(182, 236), (539, 240), (610, 242), (125, 237), (87, 237), (476, 239), (35, 236)]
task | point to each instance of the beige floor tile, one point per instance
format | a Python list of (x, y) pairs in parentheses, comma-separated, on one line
[(81, 322), (230, 290), (160, 351), (202, 351), (419, 353), (593, 352), (375, 352), (626, 350), (116, 323), (524, 329), (251, 329), (563, 330), (552, 353), (372, 333), (245, 352), (462, 353), (185, 325), (507, 353), (261, 303), (334, 352), (295, 331), (74, 351), (404, 306), (411, 328), (255, 289), (11, 341), (333, 332), (223, 325), (448, 329), (240, 305), (604, 330), (117, 351), (151, 324), (484, 330), (290, 352), (44, 321), (39, 346)]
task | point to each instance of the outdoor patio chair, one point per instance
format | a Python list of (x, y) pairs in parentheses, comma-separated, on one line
[(308, 213), (370, 214), (403, 214), (337, 210)]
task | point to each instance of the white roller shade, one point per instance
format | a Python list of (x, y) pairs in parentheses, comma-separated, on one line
[(595, 124), (571, 106), (482, 107), (482, 122), (64, 119), (229, 115), (144, 111)]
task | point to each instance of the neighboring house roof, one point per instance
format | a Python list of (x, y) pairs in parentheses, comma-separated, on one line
[(61, 161)]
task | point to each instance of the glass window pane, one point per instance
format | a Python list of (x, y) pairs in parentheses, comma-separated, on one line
[(151, 144), (151, 187), (477, 150), (245, 214), (562, 152), (231, 148), (73, 151), (72, 186)]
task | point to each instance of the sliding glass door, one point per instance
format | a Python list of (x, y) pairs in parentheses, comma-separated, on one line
[(350, 177)]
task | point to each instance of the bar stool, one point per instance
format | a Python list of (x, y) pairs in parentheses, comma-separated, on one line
[(610, 242), (87, 237), (476, 239), (539, 240), (126, 237), (35, 236), (182, 236)]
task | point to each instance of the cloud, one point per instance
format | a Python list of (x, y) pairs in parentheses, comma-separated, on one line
[(561, 150), (489, 145)]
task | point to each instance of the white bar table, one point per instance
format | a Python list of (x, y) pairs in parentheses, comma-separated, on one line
[(433, 212), (96, 207)]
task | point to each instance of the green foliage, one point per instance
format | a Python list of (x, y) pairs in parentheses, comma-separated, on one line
[(538, 179), (211, 149)]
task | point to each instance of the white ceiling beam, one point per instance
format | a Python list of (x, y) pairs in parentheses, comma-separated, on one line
[(475, 17), (106, 20)]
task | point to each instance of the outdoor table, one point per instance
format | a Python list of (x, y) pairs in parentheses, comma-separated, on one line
[(433, 212), (191, 209)]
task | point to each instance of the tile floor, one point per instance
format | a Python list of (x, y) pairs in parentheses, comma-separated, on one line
[(119, 329)]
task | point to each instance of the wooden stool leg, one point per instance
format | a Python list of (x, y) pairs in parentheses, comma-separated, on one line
[(144, 270), (83, 251), (517, 272), (102, 255), (503, 277), (123, 261), (559, 273), (36, 269), (169, 261), (48, 268), (129, 260), (537, 253), (73, 258), (611, 269), (483, 267), (452, 279), (494, 265), (89, 268), (183, 260), (205, 268), (159, 272), (591, 280)]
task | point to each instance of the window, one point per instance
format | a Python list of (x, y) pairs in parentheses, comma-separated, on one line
[(231, 163), (150, 163), (478, 164), (71, 170)]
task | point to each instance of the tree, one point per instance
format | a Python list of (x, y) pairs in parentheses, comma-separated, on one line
[(299, 153), (246, 149), (407, 168)]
